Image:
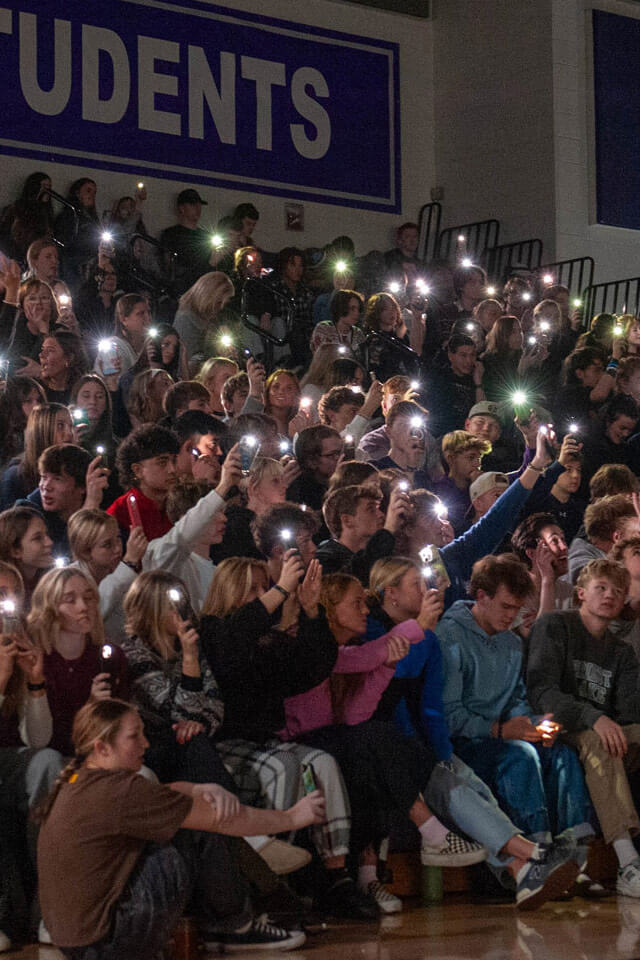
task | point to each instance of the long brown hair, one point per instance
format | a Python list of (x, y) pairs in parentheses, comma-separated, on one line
[(341, 685)]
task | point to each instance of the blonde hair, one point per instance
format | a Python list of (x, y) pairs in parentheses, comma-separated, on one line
[(16, 688), (231, 585), (209, 366), (83, 529), (262, 468), (388, 572), (459, 441), (147, 606), (319, 372), (97, 720), (205, 298), (607, 569), (43, 621), (140, 407)]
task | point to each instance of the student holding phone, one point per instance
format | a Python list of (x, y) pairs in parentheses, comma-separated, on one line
[(146, 463), (115, 883), (65, 624)]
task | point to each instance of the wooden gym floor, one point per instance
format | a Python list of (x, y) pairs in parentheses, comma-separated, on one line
[(459, 930)]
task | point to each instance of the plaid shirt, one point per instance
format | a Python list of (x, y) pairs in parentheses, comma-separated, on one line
[(302, 301)]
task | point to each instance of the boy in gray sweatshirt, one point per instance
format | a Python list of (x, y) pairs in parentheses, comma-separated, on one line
[(589, 679)]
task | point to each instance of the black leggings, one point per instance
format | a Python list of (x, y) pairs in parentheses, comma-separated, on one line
[(384, 773)]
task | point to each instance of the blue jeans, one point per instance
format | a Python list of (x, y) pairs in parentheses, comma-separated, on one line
[(542, 789), (195, 869)]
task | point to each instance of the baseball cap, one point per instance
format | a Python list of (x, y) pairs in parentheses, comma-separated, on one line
[(486, 408), (490, 480), (191, 196)]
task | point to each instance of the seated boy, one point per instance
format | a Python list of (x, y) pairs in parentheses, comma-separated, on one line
[(537, 781), (588, 679)]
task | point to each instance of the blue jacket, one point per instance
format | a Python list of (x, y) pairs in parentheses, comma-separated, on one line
[(414, 696), (482, 675), (484, 536)]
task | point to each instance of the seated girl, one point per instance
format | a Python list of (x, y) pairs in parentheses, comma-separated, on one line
[(47, 424), (27, 767), (25, 542), (114, 883), (65, 623), (385, 772), (257, 666)]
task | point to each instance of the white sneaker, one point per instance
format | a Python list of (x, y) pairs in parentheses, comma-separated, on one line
[(455, 852), (628, 884), (385, 900), (43, 934)]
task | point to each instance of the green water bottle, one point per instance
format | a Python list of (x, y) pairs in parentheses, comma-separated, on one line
[(432, 885)]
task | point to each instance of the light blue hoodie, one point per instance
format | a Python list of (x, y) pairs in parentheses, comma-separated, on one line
[(482, 674)]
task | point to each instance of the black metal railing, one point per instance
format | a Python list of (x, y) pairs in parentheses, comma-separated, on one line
[(429, 227), (576, 274), (616, 296), (467, 240), (500, 260)]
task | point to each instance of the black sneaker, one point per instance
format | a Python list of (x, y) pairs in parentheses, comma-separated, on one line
[(546, 878), (344, 900), (260, 935)]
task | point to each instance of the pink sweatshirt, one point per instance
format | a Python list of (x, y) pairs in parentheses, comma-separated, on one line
[(313, 709)]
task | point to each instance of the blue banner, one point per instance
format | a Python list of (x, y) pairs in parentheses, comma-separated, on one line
[(202, 93), (616, 53)]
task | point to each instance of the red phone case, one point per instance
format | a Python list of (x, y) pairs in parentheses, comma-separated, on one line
[(134, 511)]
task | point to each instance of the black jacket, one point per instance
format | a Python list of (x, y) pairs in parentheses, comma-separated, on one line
[(257, 667)]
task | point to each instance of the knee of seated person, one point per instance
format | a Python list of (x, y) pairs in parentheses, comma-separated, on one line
[(521, 752), (48, 763)]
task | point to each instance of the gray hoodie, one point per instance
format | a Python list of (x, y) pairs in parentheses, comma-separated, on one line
[(580, 553)]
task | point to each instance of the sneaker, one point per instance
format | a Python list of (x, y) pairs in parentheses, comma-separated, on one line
[(387, 902), (346, 901), (456, 852), (628, 884), (5, 943), (43, 934), (260, 935), (546, 878)]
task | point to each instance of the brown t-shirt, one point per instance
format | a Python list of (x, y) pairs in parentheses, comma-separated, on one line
[(89, 845)]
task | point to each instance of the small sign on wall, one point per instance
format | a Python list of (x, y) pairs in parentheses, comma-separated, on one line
[(294, 216)]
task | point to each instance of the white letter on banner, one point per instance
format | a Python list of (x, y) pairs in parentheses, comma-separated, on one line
[(53, 101), (202, 86), (151, 49), (94, 41), (312, 111), (266, 74)]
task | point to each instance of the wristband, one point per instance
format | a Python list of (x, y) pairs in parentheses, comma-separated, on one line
[(285, 593), (36, 686), (132, 566), (536, 469)]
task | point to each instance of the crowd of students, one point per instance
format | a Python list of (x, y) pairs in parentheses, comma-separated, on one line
[(303, 555)]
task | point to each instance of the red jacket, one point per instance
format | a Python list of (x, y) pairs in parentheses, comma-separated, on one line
[(155, 522)]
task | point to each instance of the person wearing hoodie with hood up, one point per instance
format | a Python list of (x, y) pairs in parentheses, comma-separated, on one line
[(538, 782), (606, 522)]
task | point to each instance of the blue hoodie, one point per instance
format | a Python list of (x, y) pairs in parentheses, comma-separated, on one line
[(417, 705), (484, 536), (482, 675)]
